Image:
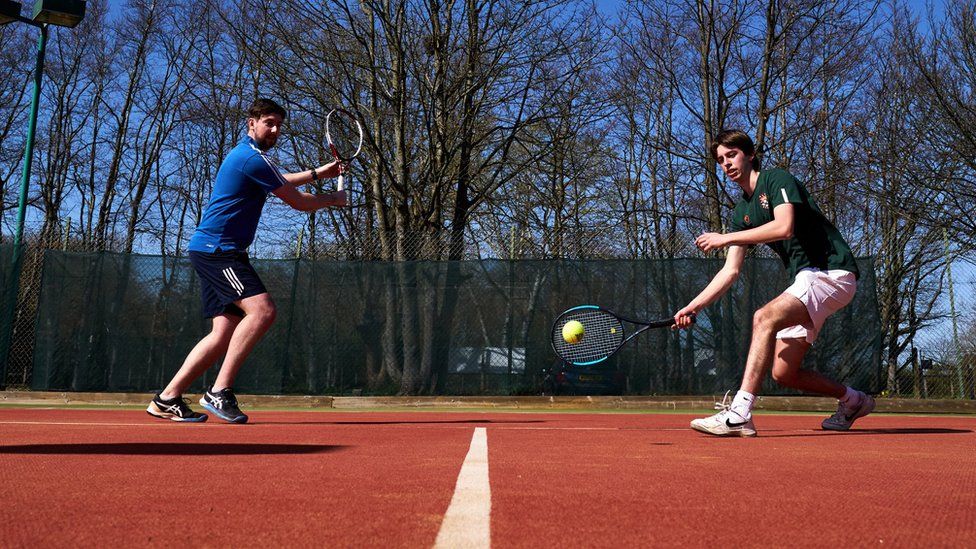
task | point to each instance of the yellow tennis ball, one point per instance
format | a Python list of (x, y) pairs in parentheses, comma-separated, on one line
[(573, 331)]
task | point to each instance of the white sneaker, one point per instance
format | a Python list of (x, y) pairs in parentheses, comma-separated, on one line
[(726, 423), (844, 417)]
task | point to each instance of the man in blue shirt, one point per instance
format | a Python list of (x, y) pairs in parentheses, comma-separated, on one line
[(232, 293)]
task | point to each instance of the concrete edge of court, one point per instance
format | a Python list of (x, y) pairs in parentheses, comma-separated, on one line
[(596, 403)]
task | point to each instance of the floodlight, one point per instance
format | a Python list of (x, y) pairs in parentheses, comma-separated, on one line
[(9, 11), (63, 13)]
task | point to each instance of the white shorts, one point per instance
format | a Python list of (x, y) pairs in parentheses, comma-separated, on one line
[(824, 293)]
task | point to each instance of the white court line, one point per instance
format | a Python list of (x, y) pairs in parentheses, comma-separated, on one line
[(468, 518)]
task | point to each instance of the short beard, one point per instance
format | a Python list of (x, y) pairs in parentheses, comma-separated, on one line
[(265, 144)]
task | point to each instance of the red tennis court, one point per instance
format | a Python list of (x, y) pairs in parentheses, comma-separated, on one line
[(119, 477)]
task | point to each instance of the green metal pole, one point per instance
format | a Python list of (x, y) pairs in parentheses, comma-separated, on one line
[(13, 288)]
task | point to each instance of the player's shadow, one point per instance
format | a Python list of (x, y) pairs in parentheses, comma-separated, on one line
[(435, 422), (891, 431), (168, 449), (912, 431)]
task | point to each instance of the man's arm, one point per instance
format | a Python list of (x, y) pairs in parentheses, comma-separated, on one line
[(720, 284), (307, 202), (780, 228), (325, 171)]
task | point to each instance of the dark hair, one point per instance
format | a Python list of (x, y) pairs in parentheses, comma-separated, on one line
[(263, 107), (736, 139)]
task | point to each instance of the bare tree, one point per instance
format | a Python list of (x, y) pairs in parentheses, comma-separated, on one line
[(14, 103), (946, 63)]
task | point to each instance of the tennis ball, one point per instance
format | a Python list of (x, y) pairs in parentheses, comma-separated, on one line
[(573, 331)]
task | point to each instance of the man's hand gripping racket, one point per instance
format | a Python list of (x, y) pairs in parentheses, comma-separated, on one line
[(589, 334), (345, 139)]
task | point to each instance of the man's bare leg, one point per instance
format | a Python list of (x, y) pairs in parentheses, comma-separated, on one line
[(787, 371), (203, 355), (260, 313), (782, 312)]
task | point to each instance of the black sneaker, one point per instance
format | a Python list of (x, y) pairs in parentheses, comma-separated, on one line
[(176, 409), (223, 403), (844, 417)]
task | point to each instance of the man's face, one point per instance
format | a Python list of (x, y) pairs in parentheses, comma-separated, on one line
[(736, 165), (264, 130)]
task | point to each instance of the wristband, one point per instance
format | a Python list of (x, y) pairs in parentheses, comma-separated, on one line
[(315, 176)]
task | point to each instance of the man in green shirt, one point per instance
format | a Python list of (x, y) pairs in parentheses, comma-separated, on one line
[(775, 209)]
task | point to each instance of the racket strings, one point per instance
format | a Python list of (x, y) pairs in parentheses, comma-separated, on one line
[(344, 135), (602, 334)]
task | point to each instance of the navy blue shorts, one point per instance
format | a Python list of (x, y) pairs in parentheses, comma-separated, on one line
[(225, 277)]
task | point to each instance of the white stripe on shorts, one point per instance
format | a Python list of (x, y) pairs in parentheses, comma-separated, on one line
[(231, 277)]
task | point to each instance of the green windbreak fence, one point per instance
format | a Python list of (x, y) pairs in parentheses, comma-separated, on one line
[(6, 272), (6, 260), (109, 322)]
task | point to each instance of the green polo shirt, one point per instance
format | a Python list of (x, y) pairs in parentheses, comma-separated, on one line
[(815, 242)]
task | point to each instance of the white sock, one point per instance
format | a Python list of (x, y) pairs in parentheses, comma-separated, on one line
[(851, 396), (742, 404)]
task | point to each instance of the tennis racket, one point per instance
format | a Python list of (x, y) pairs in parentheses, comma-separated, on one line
[(603, 334), (345, 138)]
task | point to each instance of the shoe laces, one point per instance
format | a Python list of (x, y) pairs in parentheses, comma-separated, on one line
[(184, 405), (226, 396), (724, 408), (725, 405), (843, 411)]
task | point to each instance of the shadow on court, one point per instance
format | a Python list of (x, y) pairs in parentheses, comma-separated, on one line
[(168, 449), (892, 431)]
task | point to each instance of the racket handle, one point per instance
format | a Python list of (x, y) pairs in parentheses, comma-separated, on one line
[(341, 189)]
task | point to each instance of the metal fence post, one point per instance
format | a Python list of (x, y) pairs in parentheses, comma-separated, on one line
[(956, 355)]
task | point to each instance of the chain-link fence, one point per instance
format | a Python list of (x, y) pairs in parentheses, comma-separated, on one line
[(352, 240), (421, 327), (18, 319), (935, 360), (940, 360)]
